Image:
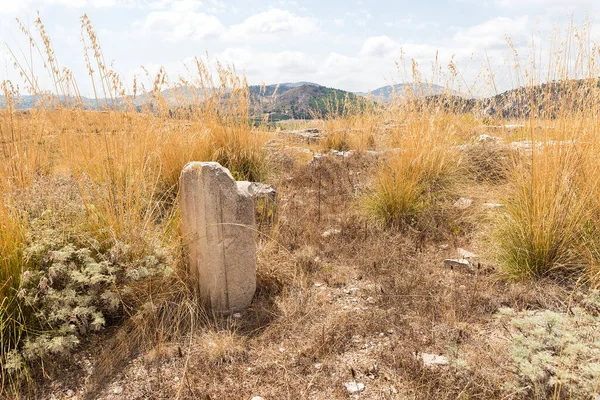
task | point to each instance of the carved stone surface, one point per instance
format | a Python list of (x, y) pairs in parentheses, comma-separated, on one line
[(219, 235)]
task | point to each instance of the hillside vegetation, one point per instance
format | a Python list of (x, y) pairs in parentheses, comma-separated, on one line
[(418, 249)]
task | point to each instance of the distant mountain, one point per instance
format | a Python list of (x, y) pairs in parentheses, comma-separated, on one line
[(277, 101), (303, 100), (300, 100), (546, 99), (386, 93), (28, 102)]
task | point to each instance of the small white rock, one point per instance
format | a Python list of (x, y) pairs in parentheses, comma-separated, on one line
[(484, 138), (459, 264), (354, 387), (466, 254), (463, 203), (431, 360), (117, 390), (257, 398), (331, 232), (318, 366), (237, 315)]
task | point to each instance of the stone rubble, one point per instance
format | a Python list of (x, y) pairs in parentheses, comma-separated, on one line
[(463, 203), (466, 254), (311, 134), (258, 190), (354, 387), (485, 138), (433, 360), (459, 263)]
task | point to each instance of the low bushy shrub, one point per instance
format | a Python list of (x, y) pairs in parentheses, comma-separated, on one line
[(73, 285), (553, 354)]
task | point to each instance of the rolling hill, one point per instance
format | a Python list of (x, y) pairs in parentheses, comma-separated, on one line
[(296, 101), (303, 100), (386, 93)]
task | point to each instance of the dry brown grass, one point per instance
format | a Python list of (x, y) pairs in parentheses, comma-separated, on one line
[(339, 298)]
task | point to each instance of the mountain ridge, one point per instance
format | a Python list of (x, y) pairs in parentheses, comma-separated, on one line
[(303, 100)]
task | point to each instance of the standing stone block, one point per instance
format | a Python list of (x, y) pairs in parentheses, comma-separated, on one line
[(219, 235)]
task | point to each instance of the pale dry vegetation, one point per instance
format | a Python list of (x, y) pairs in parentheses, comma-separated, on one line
[(351, 282)]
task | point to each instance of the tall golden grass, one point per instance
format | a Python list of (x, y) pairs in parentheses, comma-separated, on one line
[(550, 224), (125, 163), (418, 169)]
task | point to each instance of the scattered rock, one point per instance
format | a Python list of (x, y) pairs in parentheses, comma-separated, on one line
[(331, 232), (342, 154), (354, 387), (311, 135), (463, 203), (258, 190), (316, 158), (484, 138), (459, 264), (433, 360), (507, 126), (466, 254)]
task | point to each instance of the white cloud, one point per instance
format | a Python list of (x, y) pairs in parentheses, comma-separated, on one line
[(273, 21), (492, 33), (179, 25), (556, 5), (380, 47), (186, 5), (291, 61), (269, 67), (14, 7)]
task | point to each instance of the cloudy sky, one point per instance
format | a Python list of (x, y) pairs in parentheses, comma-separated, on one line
[(349, 44)]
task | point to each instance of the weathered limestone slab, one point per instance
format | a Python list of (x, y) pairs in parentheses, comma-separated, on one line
[(219, 234), (258, 190), (460, 264)]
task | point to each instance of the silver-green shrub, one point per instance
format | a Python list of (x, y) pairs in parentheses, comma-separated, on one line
[(553, 354), (73, 284)]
